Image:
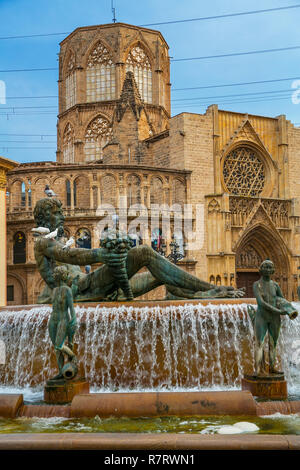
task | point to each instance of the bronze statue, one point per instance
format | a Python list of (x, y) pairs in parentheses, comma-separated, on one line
[(266, 318), (62, 325), (102, 283), (118, 242)]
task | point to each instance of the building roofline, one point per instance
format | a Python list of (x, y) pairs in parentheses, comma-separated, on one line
[(232, 112), (248, 114), (90, 166), (109, 25), (7, 163)]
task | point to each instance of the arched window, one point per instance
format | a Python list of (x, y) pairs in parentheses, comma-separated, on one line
[(19, 248), (68, 144), (97, 135), (178, 189), (138, 62), (83, 238), (70, 85), (156, 191), (133, 190), (68, 193), (109, 190), (23, 195), (82, 192), (100, 75), (178, 238), (75, 192), (156, 239), (136, 236)]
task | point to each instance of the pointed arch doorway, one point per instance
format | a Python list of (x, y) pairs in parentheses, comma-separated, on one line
[(260, 243)]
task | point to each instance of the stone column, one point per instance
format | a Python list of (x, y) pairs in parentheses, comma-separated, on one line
[(99, 196), (26, 196), (119, 78), (283, 157), (216, 149), (72, 194)]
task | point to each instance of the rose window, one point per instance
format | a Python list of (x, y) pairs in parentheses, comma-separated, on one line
[(244, 172)]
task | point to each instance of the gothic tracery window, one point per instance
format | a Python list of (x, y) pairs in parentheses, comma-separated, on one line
[(138, 63), (68, 144), (244, 172), (70, 83), (97, 135), (100, 75)]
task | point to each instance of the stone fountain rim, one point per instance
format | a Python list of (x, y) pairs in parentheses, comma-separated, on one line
[(142, 303)]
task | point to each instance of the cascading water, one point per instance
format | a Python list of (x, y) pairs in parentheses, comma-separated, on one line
[(139, 348)]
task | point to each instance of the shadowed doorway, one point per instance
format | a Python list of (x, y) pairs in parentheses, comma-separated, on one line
[(258, 244)]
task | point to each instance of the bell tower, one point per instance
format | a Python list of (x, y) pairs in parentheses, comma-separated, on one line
[(94, 63)]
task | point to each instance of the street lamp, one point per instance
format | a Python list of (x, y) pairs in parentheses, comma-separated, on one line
[(175, 254)]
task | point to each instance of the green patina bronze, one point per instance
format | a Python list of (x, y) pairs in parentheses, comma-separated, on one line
[(105, 282), (116, 241), (62, 325), (267, 317)]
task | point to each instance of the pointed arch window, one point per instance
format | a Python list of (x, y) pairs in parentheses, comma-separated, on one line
[(98, 133), (70, 83), (68, 144), (138, 62), (23, 195), (100, 75)]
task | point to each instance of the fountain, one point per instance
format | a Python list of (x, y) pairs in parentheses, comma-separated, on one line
[(140, 358), (178, 345)]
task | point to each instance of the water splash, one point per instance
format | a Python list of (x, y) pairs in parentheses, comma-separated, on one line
[(172, 347)]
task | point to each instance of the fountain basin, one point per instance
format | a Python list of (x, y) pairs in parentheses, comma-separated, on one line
[(162, 345), (130, 442), (135, 345)]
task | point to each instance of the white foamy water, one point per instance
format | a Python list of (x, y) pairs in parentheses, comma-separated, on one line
[(188, 347)]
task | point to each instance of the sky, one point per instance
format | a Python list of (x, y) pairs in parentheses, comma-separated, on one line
[(28, 133)]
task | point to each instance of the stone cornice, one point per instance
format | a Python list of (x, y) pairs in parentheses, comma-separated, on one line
[(116, 26), (92, 166), (5, 165)]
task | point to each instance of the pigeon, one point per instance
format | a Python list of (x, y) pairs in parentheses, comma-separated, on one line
[(69, 243), (49, 192), (52, 235), (40, 230)]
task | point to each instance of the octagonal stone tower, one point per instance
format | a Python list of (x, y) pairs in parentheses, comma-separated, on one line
[(103, 70)]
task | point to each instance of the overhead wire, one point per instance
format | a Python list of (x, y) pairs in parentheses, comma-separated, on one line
[(289, 90), (188, 20), (237, 84)]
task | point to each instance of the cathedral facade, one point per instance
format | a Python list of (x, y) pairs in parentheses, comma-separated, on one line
[(117, 144)]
